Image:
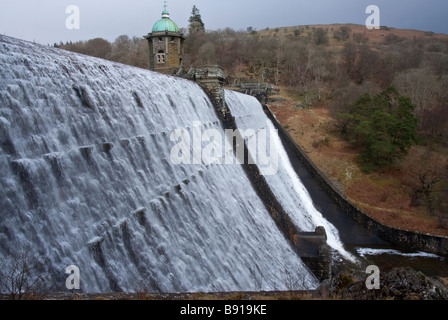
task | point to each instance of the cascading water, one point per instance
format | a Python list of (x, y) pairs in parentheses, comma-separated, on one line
[(285, 183), (87, 180)]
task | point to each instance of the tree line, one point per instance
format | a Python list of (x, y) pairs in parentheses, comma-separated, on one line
[(301, 58)]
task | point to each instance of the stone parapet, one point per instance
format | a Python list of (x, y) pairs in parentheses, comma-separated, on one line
[(211, 79), (261, 91)]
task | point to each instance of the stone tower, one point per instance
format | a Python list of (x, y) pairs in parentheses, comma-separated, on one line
[(166, 45)]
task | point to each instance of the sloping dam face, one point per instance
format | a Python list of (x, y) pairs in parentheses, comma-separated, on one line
[(88, 179)]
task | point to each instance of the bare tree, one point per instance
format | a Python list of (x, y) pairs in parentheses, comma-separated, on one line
[(320, 36), (422, 86), (348, 58), (21, 276), (122, 46), (431, 174), (360, 38), (98, 47), (342, 34), (293, 281), (206, 53), (434, 123)]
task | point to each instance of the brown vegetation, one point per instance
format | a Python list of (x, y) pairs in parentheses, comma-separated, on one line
[(236, 295), (386, 195)]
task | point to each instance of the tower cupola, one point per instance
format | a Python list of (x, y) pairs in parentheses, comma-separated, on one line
[(166, 45), (165, 24)]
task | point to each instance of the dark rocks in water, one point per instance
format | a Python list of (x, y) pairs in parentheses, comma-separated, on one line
[(107, 146), (396, 284), (86, 152), (137, 99), (85, 97)]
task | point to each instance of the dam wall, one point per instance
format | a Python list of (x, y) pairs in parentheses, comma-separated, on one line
[(98, 172)]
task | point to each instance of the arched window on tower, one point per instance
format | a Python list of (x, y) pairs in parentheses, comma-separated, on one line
[(160, 57)]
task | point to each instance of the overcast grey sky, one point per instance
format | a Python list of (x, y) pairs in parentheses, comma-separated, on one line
[(44, 21)]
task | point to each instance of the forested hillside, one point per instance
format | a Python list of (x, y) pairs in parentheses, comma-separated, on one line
[(315, 64)]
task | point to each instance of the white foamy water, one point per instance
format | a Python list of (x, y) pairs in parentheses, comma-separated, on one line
[(285, 183), (87, 180), (374, 251)]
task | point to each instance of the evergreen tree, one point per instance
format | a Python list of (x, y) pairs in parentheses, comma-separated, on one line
[(384, 125), (196, 24)]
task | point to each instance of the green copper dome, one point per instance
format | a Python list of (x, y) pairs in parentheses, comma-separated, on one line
[(165, 24)]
